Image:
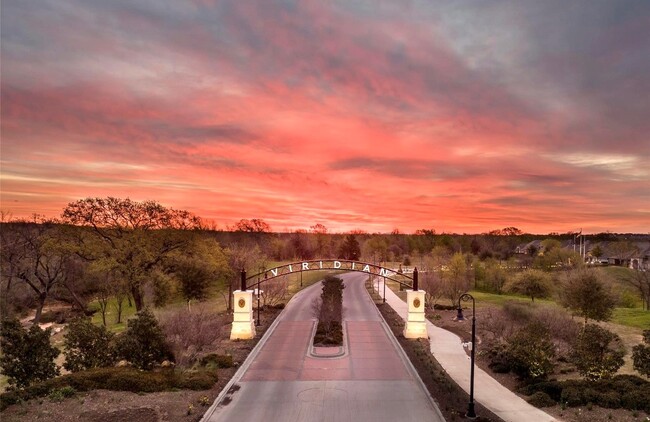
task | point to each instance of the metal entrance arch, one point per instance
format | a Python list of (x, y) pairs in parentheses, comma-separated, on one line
[(403, 279)]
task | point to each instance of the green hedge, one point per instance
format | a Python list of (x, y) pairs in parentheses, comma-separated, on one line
[(116, 379), (622, 391)]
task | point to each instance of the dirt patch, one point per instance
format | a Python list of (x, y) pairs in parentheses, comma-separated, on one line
[(105, 406)]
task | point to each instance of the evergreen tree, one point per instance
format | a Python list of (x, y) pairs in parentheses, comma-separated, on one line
[(27, 355)]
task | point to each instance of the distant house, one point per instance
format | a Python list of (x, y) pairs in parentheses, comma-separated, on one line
[(527, 248), (635, 255)]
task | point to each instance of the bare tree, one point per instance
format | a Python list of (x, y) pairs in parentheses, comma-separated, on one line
[(190, 333), (640, 280), (433, 288), (275, 291), (246, 257), (36, 257)]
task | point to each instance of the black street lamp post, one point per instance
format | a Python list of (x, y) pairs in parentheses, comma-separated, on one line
[(259, 293), (466, 297)]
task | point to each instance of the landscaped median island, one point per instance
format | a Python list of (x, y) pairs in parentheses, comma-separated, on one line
[(329, 311)]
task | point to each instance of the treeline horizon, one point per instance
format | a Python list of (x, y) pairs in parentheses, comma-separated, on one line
[(510, 231), (111, 249)]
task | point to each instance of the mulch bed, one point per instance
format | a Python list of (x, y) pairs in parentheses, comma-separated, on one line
[(451, 399)]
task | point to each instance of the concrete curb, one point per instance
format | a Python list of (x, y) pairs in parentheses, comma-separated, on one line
[(491, 394), (406, 360), (343, 350), (247, 363)]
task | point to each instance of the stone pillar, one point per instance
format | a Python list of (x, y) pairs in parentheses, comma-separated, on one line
[(416, 326), (243, 324)]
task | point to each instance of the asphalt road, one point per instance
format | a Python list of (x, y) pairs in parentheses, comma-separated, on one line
[(371, 381)]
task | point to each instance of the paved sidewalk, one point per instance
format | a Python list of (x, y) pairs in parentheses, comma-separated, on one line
[(448, 351)]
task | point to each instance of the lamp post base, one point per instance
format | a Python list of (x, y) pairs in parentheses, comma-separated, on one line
[(471, 414)]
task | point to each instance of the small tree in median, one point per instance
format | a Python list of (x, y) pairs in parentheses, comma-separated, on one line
[(597, 352), (27, 355), (143, 343), (87, 345), (532, 283)]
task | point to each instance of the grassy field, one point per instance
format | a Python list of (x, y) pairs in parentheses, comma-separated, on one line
[(632, 317)]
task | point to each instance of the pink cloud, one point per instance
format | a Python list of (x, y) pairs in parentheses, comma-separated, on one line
[(317, 114)]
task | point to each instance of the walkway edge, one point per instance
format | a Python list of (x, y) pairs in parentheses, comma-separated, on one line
[(500, 400)]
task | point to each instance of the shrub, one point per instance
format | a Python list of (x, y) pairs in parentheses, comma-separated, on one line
[(532, 351), (87, 345), (189, 333), (610, 400), (499, 358), (218, 361), (541, 399), (59, 394), (27, 355), (552, 388), (117, 379), (628, 391), (329, 311), (641, 355), (636, 400), (597, 353), (143, 343), (572, 397), (518, 311)]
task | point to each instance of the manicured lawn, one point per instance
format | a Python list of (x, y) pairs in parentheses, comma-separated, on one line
[(483, 298), (111, 314), (632, 317)]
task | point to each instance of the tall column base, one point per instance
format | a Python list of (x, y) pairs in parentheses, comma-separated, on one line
[(416, 326), (243, 324)]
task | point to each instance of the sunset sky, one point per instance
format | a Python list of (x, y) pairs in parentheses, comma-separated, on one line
[(461, 116)]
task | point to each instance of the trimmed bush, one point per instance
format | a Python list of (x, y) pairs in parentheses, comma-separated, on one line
[(532, 351), (116, 379), (87, 345), (636, 400), (572, 396), (329, 311), (552, 388), (626, 391), (541, 399), (597, 353), (143, 343), (609, 400)]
